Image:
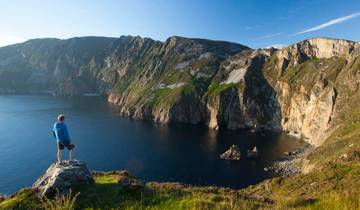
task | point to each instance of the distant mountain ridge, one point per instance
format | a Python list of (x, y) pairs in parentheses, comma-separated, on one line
[(78, 63)]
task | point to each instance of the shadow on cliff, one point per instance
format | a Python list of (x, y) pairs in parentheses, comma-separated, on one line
[(252, 104), (261, 97)]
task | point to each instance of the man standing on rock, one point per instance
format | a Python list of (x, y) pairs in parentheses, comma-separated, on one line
[(61, 134)]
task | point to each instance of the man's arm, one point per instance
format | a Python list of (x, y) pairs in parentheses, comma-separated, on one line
[(53, 132), (66, 134)]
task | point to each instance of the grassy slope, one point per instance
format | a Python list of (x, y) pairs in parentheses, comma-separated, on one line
[(107, 194), (344, 142), (336, 186)]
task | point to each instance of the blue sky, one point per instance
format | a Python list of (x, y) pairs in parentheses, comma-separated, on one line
[(256, 23)]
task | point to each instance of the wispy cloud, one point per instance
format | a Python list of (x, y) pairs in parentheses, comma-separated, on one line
[(329, 23), (269, 35), (248, 28)]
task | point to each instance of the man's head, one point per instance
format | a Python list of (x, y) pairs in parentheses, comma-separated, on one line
[(61, 118)]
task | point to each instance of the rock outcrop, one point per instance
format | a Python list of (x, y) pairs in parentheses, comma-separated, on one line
[(317, 48), (60, 178), (233, 153), (127, 181)]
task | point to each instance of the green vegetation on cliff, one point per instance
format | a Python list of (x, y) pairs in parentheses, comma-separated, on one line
[(215, 88)]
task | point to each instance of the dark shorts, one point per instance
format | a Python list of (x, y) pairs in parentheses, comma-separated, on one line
[(62, 145)]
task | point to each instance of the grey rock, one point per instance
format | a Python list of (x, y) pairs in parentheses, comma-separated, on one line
[(232, 154), (287, 166), (287, 153), (343, 156), (2, 198), (130, 183), (127, 181), (60, 178), (252, 154)]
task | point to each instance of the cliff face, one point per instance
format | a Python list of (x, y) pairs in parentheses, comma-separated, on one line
[(302, 89), (239, 95), (168, 84), (306, 77)]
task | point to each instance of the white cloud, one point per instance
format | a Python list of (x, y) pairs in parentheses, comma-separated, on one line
[(251, 27), (8, 40), (277, 46), (329, 23), (269, 36)]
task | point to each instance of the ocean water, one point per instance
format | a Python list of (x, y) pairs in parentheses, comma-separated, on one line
[(107, 141)]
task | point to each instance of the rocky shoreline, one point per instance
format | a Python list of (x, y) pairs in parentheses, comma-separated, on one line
[(289, 165)]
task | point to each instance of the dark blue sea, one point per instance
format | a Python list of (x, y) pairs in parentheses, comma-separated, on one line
[(107, 141)]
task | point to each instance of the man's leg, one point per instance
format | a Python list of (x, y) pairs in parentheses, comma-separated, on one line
[(71, 154), (71, 148), (59, 154)]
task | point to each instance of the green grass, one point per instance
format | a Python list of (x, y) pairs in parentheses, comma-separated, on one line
[(336, 186), (310, 71), (216, 88), (107, 194), (175, 76), (270, 69), (23, 199), (344, 140), (196, 85), (60, 202), (164, 98)]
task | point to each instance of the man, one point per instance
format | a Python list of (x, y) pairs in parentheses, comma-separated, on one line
[(61, 134)]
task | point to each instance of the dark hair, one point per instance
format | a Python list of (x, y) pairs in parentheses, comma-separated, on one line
[(61, 117)]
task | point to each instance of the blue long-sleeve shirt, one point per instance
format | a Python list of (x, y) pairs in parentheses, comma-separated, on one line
[(60, 132)]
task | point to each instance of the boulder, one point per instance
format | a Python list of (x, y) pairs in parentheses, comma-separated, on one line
[(60, 178), (130, 183), (287, 153), (252, 154), (2, 198), (233, 153), (127, 181)]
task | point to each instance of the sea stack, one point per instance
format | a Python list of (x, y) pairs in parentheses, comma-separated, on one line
[(252, 154), (233, 153)]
